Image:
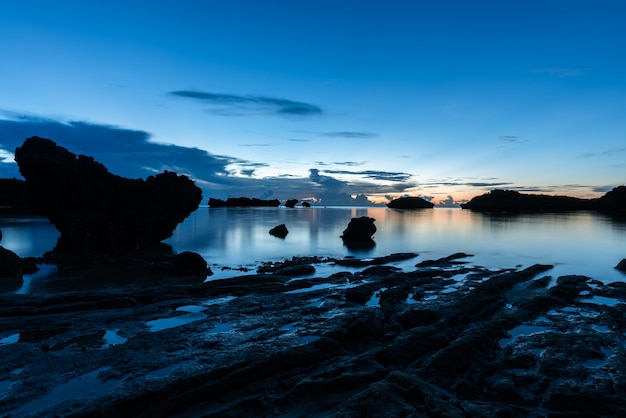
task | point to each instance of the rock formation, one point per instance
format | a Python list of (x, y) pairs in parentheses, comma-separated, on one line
[(410, 203), (442, 339), (279, 231), (291, 203), (613, 202), (359, 233), (11, 269), (95, 210), (233, 202)]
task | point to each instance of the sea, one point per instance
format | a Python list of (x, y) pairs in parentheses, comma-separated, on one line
[(235, 241)]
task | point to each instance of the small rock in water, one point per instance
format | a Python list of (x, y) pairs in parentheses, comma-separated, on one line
[(279, 231)]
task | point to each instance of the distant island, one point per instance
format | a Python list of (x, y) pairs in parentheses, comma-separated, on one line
[(410, 203), (513, 201), (234, 202)]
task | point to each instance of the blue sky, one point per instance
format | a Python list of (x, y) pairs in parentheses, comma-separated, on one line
[(325, 99)]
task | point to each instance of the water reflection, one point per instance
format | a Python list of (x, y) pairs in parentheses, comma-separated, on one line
[(577, 243)]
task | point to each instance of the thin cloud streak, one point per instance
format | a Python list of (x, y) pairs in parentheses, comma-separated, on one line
[(238, 105), (351, 134)]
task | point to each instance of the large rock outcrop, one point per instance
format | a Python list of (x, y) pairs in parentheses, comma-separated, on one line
[(513, 201), (410, 203), (95, 210), (613, 202)]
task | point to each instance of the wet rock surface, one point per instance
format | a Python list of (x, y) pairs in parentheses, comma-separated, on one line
[(444, 338)]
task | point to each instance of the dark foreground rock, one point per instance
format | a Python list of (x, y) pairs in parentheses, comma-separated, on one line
[(279, 231), (359, 233), (95, 210), (410, 203), (453, 341)]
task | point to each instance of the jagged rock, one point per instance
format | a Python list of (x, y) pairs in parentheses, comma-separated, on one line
[(279, 231), (233, 202), (410, 203), (359, 233), (291, 203), (621, 266), (297, 270), (96, 210)]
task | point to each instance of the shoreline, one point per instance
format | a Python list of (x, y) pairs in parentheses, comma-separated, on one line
[(447, 338)]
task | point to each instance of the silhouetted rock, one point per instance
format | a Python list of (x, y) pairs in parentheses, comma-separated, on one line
[(359, 233), (613, 201), (306, 204), (95, 210), (410, 203), (621, 266), (190, 263), (233, 202), (512, 201), (13, 194), (279, 231), (291, 203), (11, 270), (296, 270)]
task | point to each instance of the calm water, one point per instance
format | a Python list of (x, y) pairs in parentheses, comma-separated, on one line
[(576, 243)]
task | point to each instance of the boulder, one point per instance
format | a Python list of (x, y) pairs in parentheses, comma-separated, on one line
[(279, 231), (359, 233), (95, 210), (621, 266), (189, 263), (291, 203), (410, 203), (306, 205)]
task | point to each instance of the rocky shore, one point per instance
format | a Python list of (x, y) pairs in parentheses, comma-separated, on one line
[(443, 338)]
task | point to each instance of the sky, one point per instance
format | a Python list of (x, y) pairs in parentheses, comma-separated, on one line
[(340, 102)]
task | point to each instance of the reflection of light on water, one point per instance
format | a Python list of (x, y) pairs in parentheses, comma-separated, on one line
[(525, 330), (194, 314), (111, 337), (11, 339), (45, 270), (375, 299)]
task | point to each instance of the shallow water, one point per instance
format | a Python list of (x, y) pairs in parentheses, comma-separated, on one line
[(584, 243)]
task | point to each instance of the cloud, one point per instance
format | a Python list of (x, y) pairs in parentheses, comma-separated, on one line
[(130, 153), (125, 152), (466, 183), (350, 134), (236, 105), (297, 140), (512, 139), (605, 153), (375, 175), (343, 163)]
